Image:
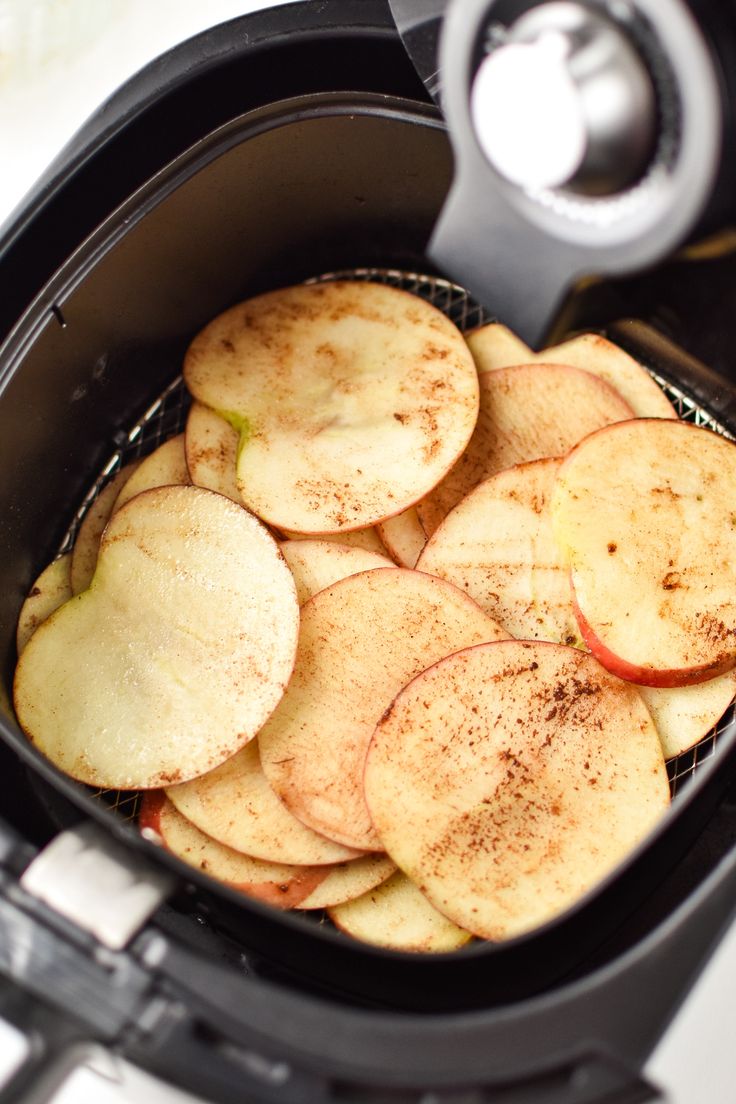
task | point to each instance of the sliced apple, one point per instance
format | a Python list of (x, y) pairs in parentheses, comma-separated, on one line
[(494, 346), (235, 805), (360, 641), (404, 537), (526, 412), (366, 540), (175, 655), (87, 543), (643, 513), (498, 546), (347, 880), (351, 399), (166, 465), (683, 715), (51, 589), (211, 448), (510, 778), (278, 884), (396, 915), (316, 564)]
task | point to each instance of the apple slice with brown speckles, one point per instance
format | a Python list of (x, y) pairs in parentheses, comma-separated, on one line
[(510, 778), (352, 400), (165, 466), (176, 653), (51, 589)]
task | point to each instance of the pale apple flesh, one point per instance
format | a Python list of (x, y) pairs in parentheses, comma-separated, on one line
[(336, 389), (509, 779), (366, 540), (51, 589), (316, 564), (348, 880), (526, 412), (174, 656), (643, 514), (235, 805), (165, 466), (87, 543), (404, 537), (211, 450), (397, 915), (360, 641), (279, 884)]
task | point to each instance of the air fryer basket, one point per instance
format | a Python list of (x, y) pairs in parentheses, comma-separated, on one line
[(293, 188)]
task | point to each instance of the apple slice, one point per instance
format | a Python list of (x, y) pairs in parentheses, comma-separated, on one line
[(347, 880), (165, 466), (395, 914), (403, 536), (366, 540), (211, 449), (352, 400), (235, 805), (87, 544), (526, 412), (360, 641), (278, 884), (51, 589), (316, 564), (643, 514), (498, 546), (493, 347), (174, 656), (510, 778)]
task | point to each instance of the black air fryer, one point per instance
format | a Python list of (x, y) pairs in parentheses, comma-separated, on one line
[(298, 143)]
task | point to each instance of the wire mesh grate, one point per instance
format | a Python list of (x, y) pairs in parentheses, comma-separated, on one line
[(166, 416)]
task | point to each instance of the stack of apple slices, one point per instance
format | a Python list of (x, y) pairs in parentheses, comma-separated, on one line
[(369, 648)]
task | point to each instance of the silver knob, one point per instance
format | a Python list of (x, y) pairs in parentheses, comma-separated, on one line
[(565, 99)]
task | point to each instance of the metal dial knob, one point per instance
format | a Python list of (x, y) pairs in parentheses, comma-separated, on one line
[(564, 99)]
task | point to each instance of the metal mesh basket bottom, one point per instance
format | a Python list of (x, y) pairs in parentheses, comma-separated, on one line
[(167, 414)]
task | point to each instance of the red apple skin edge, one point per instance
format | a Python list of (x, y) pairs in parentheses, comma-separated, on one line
[(282, 897), (646, 676)]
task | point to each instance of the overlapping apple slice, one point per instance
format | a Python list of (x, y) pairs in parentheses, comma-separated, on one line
[(360, 641), (235, 805), (509, 778), (211, 450), (280, 884), (316, 564), (403, 536), (87, 543), (526, 412), (494, 346), (174, 656), (51, 589), (336, 389), (644, 514), (165, 466), (397, 915), (498, 545)]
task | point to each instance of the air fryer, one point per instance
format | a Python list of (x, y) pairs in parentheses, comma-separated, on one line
[(290, 145)]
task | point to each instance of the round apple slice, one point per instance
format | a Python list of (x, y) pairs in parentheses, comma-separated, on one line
[(174, 656), (347, 880), (87, 544), (510, 778), (278, 884), (165, 466), (643, 514), (360, 641), (51, 589), (235, 805), (404, 537), (526, 412), (366, 540), (316, 564), (353, 399), (498, 546), (211, 449), (398, 916), (493, 347)]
